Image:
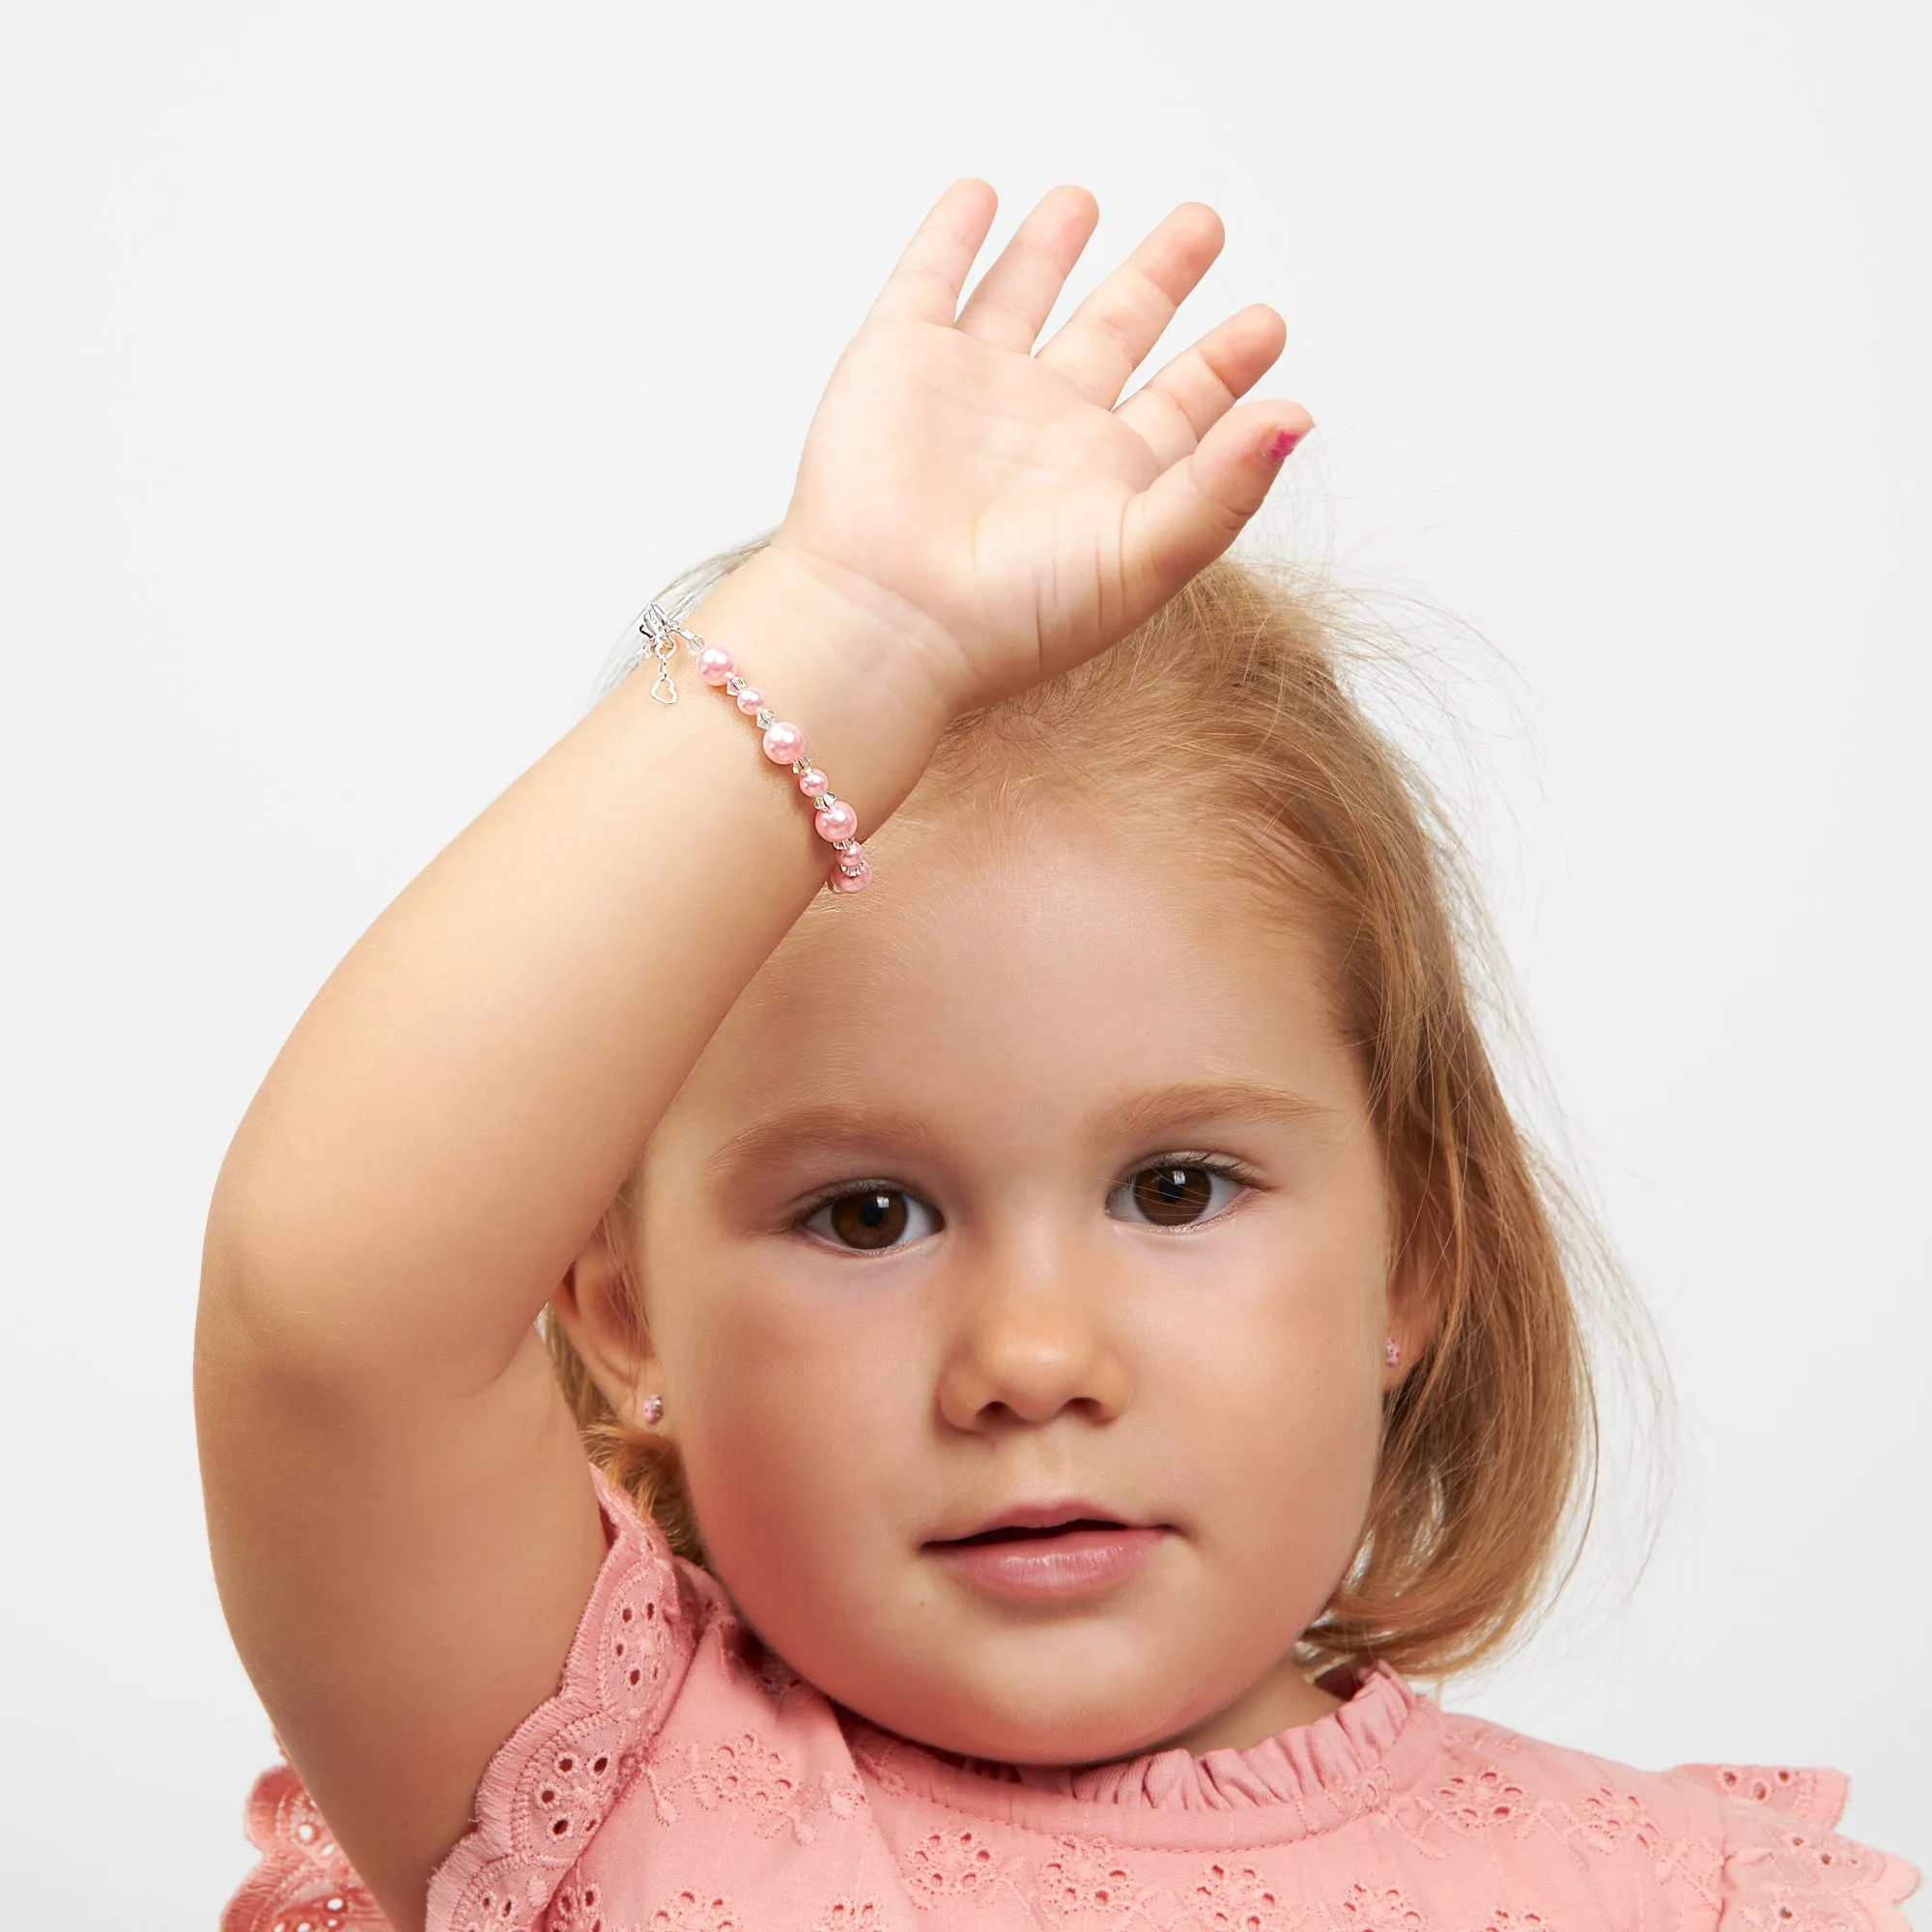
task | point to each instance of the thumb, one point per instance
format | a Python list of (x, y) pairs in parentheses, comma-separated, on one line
[(1201, 502)]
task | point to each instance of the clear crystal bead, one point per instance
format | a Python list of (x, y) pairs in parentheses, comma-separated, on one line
[(766, 718), (734, 684)]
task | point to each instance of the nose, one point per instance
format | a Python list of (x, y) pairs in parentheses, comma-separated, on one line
[(1034, 1335)]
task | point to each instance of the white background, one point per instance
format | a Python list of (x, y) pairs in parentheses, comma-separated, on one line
[(363, 367)]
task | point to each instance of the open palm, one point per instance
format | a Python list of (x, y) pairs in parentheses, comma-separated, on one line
[(997, 496)]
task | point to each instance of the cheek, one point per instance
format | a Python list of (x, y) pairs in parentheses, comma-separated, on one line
[(1272, 1409), (774, 1379)]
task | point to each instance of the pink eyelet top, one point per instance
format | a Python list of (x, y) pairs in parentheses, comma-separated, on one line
[(683, 1780)]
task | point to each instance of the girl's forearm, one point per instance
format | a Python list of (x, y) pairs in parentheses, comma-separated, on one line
[(465, 1096)]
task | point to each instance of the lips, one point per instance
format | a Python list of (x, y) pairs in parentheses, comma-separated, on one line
[(1048, 1553), (1018, 1531), (1019, 1519)]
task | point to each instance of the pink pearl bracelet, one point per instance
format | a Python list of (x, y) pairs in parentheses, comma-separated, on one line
[(832, 818)]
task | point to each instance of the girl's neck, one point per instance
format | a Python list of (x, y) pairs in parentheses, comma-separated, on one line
[(1279, 1700)]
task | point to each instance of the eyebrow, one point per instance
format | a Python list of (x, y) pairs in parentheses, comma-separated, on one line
[(831, 1123)]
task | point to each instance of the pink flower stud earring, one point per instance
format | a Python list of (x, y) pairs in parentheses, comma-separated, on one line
[(654, 1408), (1392, 1353)]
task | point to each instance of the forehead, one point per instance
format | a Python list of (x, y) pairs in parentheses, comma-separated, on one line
[(1020, 976)]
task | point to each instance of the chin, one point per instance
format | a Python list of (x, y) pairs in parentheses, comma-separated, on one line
[(1044, 1723)]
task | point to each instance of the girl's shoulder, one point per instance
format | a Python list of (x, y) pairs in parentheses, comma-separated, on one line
[(1756, 1844), (551, 1784)]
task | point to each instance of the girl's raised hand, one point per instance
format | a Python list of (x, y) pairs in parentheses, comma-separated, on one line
[(995, 502)]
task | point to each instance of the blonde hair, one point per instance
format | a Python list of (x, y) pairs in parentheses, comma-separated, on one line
[(1233, 700)]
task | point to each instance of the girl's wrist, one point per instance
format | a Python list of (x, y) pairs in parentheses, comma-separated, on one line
[(844, 671)]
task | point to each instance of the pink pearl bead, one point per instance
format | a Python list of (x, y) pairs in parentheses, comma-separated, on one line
[(715, 664), (854, 856), (749, 698), (835, 822), (811, 781), (784, 743), (843, 881)]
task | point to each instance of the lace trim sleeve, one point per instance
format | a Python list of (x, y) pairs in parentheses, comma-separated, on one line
[(1785, 1868), (302, 1880), (554, 1783), (543, 1794)]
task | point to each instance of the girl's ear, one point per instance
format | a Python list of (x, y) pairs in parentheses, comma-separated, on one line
[(1414, 1305), (598, 1316)]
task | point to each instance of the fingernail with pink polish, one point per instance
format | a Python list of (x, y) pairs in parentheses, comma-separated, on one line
[(1281, 443)]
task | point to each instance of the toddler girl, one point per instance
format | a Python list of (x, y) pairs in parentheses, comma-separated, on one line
[(755, 1381)]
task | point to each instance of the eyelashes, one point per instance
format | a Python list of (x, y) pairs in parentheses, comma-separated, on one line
[(1176, 1192)]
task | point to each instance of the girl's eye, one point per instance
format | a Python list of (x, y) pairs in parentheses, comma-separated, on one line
[(1177, 1193), (871, 1216)]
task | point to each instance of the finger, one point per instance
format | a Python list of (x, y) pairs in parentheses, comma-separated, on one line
[(1195, 508), (929, 277), (1108, 336), (1182, 401), (1016, 295)]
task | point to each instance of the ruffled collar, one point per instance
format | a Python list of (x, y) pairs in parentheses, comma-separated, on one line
[(1308, 1777)]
